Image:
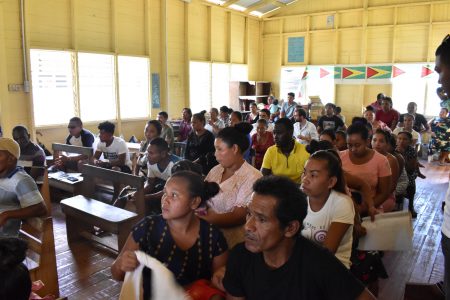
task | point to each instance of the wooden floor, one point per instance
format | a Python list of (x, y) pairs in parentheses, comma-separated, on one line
[(84, 272)]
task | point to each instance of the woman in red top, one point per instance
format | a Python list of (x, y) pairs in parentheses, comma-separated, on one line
[(261, 141)]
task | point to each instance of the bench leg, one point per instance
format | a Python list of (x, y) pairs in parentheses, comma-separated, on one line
[(74, 228)]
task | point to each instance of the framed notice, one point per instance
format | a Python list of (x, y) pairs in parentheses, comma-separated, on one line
[(156, 101), (296, 49)]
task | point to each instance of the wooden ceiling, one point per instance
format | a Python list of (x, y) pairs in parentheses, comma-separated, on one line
[(257, 8)]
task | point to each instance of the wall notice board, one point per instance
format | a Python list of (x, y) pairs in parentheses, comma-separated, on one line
[(296, 49), (156, 93)]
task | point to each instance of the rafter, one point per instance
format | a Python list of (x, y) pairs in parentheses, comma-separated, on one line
[(278, 11), (230, 2)]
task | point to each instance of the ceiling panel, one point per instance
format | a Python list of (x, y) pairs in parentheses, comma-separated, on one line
[(247, 3)]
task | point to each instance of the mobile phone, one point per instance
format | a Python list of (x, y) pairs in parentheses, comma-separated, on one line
[(73, 179)]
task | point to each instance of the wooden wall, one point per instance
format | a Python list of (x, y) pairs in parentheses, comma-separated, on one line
[(169, 32), (364, 32)]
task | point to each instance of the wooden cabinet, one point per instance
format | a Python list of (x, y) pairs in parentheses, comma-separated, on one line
[(242, 93)]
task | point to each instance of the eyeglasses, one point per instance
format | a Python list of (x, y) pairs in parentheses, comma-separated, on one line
[(71, 127)]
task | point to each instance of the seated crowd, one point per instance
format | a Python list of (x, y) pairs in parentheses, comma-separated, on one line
[(259, 205), (292, 190)]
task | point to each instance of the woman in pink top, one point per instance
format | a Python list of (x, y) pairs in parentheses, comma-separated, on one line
[(367, 164), (380, 143), (235, 177)]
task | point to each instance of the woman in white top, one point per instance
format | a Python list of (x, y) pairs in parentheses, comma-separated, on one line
[(331, 212), (235, 177)]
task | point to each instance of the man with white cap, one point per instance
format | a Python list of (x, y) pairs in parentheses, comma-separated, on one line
[(19, 195)]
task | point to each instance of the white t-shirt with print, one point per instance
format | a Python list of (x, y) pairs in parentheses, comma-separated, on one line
[(117, 147), (155, 172), (338, 209)]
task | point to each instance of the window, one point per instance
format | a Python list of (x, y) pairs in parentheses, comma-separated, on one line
[(200, 86), (56, 97), (210, 83), (220, 85), (311, 85), (411, 87), (97, 87), (133, 86), (52, 78)]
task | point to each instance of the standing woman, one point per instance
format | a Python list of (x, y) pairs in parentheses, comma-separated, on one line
[(367, 164), (200, 144), (185, 125), (190, 248), (380, 143), (235, 177), (261, 141), (440, 128), (331, 212)]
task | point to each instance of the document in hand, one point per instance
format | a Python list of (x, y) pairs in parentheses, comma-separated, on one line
[(390, 231)]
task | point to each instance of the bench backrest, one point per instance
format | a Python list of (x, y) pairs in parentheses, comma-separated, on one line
[(56, 147), (91, 174), (41, 257)]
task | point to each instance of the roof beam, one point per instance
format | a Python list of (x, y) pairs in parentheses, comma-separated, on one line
[(230, 2), (278, 11)]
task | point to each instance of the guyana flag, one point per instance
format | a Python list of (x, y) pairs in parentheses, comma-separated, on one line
[(379, 72)]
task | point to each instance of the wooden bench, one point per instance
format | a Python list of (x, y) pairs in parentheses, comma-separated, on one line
[(64, 185), (58, 148), (84, 211), (41, 258)]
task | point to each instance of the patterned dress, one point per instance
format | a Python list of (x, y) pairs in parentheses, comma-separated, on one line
[(441, 128), (154, 238)]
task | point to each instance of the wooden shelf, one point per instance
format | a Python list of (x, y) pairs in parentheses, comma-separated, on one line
[(242, 93)]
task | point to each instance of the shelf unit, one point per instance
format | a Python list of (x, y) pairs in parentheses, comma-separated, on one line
[(242, 93)]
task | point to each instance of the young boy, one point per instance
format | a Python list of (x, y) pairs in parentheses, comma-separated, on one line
[(404, 147), (159, 166)]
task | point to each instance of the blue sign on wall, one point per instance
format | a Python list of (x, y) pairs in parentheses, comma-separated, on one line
[(296, 49), (156, 102)]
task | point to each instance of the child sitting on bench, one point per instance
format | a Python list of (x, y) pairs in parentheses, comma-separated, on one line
[(159, 166)]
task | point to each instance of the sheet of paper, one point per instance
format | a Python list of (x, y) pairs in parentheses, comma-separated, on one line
[(390, 231)]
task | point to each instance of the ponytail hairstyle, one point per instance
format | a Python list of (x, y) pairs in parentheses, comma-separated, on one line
[(315, 146), (334, 167), (236, 135), (197, 186), (200, 117), (15, 282)]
